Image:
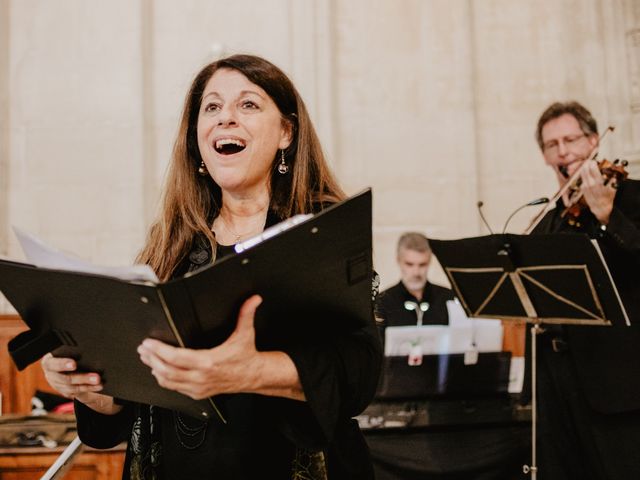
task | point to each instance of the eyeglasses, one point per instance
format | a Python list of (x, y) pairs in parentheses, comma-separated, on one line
[(552, 145)]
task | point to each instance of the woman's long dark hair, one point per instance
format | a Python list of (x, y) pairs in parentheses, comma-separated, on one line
[(190, 201)]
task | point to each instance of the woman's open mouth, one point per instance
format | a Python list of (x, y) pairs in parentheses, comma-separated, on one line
[(229, 146)]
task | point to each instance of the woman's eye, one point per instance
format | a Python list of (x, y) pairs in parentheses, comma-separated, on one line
[(248, 104), (211, 107)]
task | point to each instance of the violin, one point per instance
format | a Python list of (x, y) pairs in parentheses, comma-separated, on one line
[(611, 172)]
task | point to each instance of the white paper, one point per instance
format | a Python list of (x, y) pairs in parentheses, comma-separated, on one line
[(475, 336), (44, 256), (457, 316), (432, 340), (462, 335), (516, 375), (471, 357), (272, 231), (485, 333)]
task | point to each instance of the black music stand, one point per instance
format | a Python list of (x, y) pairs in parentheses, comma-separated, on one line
[(538, 279)]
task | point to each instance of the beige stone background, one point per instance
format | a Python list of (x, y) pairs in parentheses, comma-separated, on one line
[(432, 103)]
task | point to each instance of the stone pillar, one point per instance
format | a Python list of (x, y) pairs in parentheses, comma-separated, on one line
[(404, 108), (621, 25), (75, 158), (4, 134)]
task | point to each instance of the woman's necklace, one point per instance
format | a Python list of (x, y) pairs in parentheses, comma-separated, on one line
[(239, 236), (189, 436)]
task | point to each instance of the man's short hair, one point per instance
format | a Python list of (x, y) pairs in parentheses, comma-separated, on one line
[(586, 121), (413, 241)]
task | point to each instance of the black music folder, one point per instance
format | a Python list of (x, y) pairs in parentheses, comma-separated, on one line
[(315, 278), (554, 278)]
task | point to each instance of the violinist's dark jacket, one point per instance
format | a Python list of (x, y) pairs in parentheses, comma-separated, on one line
[(608, 358), (589, 376)]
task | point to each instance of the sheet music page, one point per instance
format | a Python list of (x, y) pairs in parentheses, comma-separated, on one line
[(428, 339), (516, 374), (461, 335), (489, 338), (485, 333), (272, 231), (45, 256)]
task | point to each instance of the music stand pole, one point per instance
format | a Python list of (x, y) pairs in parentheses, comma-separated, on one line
[(533, 468), (64, 461)]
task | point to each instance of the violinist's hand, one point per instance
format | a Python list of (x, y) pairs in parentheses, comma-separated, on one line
[(234, 366), (598, 196), (84, 387)]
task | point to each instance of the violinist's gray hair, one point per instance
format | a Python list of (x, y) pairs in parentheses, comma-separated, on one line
[(587, 123), (413, 241)]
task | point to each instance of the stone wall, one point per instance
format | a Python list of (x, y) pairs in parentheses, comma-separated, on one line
[(431, 103)]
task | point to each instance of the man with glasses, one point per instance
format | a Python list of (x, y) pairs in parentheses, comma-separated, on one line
[(568, 135), (589, 377)]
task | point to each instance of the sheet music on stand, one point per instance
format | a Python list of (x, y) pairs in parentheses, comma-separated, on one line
[(461, 335), (464, 358), (538, 279)]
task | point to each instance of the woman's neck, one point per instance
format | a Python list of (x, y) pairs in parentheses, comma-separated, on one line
[(240, 217)]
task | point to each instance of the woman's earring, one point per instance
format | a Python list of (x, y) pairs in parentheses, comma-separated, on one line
[(282, 167), (202, 169)]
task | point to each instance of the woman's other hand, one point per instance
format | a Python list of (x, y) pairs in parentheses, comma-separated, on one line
[(84, 387), (234, 366)]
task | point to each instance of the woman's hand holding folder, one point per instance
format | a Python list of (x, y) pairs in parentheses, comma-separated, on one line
[(235, 366), (62, 376)]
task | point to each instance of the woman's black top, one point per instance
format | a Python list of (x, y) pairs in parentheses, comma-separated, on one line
[(265, 437)]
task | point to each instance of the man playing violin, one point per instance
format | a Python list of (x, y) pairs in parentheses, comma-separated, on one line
[(589, 376), (568, 135)]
